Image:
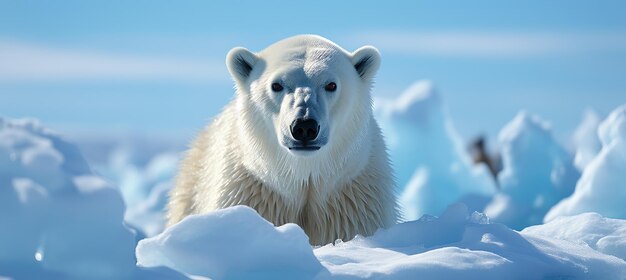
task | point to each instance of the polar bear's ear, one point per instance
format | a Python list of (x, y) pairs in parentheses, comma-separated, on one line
[(240, 62), (366, 61)]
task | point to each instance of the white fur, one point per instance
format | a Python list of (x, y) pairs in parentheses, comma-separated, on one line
[(343, 189)]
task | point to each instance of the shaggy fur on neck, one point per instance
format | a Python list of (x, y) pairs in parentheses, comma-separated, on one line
[(358, 205)]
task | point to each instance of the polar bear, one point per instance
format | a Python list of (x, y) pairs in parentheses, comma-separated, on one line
[(298, 143)]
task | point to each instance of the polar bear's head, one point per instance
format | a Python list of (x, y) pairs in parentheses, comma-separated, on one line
[(304, 93)]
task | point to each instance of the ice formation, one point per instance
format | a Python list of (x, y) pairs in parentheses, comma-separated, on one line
[(586, 139), (602, 187), (57, 219), (144, 187), (537, 173), (427, 153)]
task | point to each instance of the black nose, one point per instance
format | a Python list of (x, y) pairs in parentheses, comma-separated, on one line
[(304, 129)]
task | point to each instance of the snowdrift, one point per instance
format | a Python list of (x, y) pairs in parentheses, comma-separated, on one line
[(57, 219), (602, 187), (601, 234), (236, 243), (233, 243)]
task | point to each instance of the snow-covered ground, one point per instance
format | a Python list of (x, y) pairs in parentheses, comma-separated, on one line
[(236, 243), (66, 216)]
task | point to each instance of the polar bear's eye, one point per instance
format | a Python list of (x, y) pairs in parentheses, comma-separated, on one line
[(277, 87), (331, 87)]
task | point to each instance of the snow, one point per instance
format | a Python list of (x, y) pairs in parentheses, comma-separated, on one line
[(57, 218), (602, 187), (537, 173), (602, 234), (433, 169), (236, 243), (586, 139)]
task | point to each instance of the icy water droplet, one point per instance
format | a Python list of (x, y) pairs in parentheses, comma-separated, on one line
[(38, 256)]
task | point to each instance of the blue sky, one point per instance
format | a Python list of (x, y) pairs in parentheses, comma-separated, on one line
[(157, 67)]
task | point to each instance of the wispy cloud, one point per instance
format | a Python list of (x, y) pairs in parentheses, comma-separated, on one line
[(493, 44), (22, 62)]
